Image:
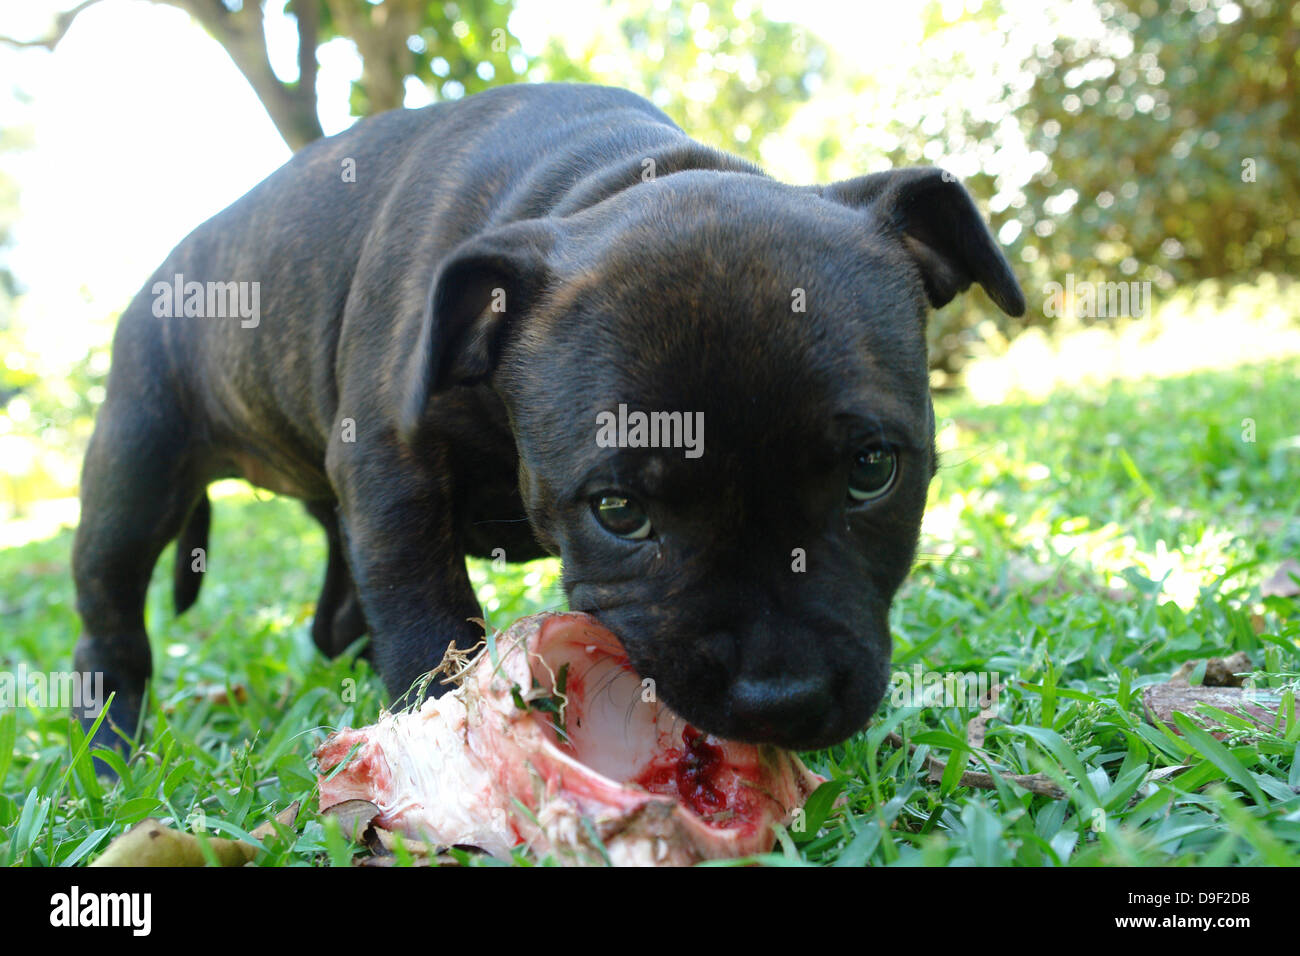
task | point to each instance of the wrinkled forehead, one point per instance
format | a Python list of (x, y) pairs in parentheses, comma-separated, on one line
[(766, 337)]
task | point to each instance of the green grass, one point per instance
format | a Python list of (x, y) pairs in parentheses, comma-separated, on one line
[(1080, 548)]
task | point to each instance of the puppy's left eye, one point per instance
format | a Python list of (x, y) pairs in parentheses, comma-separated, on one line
[(621, 515), (872, 473)]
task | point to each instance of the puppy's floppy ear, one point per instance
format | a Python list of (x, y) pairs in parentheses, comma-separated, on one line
[(481, 288), (937, 222)]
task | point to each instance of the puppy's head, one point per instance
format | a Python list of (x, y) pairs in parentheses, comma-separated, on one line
[(719, 393)]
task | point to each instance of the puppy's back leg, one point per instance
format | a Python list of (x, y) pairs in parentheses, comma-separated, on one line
[(138, 487)]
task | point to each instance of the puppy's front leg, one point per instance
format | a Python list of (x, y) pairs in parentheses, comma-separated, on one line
[(405, 556)]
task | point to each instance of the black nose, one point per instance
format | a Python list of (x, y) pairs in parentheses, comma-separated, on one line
[(781, 709)]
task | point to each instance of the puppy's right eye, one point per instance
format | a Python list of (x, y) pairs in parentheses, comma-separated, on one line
[(872, 473), (620, 515)]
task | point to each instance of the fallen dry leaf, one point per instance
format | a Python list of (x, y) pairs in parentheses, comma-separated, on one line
[(285, 817), (383, 849), (149, 843), (1161, 701), (355, 817), (1283, 582), (1222, 687), (1230, 671)]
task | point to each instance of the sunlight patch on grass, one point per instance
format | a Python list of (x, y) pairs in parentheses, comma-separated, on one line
[(1104, 552), (1192, 331), (1180, 571)]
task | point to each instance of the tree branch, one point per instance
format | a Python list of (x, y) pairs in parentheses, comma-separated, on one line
[(307, 14), (381, 36), (62, 24), (292, 108)]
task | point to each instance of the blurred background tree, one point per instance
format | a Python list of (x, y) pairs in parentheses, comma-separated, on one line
[(1174, 142), (1116, 141), (725, 73)]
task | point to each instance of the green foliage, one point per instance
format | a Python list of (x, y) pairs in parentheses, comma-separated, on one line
[(722, 69), (1125, 140), (726, 74), (455, 48), (46, 405), (46, 415), (1178, 130)]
